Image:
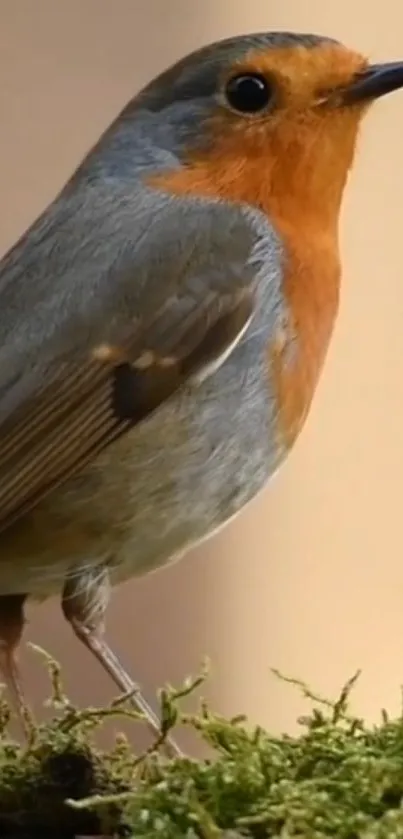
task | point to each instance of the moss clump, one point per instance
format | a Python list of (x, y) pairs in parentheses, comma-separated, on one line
[(339, 778)]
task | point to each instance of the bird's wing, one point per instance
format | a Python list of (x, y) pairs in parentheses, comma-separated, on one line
[(99, 325)]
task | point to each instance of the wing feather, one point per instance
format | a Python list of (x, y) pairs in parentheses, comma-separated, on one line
[(128, 333)]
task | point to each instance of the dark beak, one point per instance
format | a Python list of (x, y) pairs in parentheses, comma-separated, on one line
[(375, 81)]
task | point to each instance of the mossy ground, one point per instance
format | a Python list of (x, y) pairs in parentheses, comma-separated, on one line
[(339, 778)]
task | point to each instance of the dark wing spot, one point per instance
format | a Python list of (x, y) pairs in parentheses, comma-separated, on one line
[(136, 393), (127, 391)]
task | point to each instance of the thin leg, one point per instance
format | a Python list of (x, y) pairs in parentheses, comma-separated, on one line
[(11, 626), (85, 599)]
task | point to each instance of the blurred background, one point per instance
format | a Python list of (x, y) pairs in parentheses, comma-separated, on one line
[(310, 578)]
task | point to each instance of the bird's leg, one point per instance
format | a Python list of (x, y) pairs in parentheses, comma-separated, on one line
[(11, 627), (84, 601)]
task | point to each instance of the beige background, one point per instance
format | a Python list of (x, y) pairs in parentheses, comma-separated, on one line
[(310, 578)]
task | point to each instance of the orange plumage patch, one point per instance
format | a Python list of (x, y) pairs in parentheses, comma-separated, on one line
[(292, 164), (303, 73), (311, 287)]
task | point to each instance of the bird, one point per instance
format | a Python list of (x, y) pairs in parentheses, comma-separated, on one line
[(165, 321)]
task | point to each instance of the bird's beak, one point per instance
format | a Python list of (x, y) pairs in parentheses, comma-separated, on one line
[(375, 81)]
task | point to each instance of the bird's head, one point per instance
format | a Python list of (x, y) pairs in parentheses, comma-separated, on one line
[(272, 120), (268, 118)]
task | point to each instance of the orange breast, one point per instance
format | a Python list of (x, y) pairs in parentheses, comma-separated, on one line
[(311, 288)]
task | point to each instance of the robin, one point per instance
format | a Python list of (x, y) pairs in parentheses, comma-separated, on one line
[(164, 322)]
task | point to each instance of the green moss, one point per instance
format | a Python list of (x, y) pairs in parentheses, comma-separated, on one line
[(338, 778)]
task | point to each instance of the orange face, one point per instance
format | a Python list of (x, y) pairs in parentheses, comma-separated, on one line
[(292, 156), (304, 75)]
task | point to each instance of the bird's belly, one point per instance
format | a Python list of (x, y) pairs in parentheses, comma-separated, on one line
[(169, 483)]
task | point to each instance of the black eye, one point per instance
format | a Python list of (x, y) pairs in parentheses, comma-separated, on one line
[(248, 93)]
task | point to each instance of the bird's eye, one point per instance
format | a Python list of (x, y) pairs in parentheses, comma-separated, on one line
[(248, 93)]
